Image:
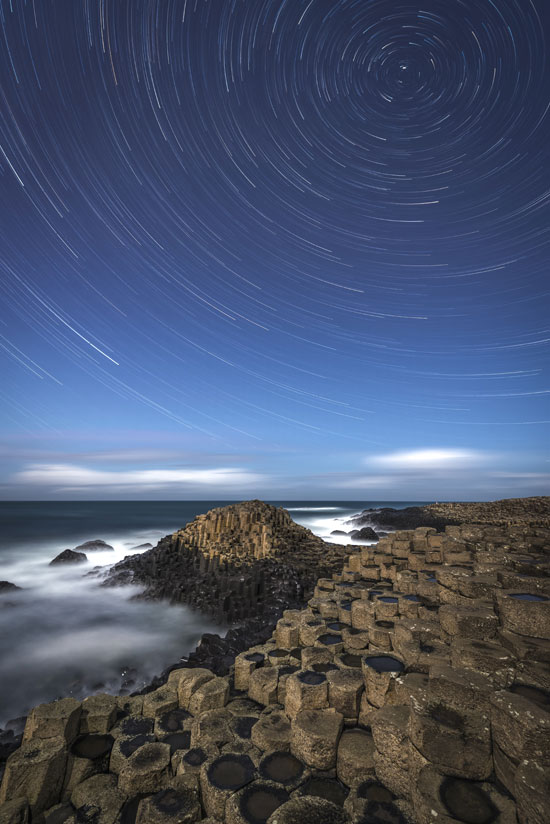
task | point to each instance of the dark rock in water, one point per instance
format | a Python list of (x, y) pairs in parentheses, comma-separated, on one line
[(364, 534), (143, 546), (69, 556), (7, 586), (408, 518), (338, 532), (94, 546)]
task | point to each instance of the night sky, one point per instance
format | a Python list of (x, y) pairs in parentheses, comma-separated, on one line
[(287, 248)]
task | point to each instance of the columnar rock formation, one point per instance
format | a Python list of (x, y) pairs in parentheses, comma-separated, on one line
[(235, 563), (413, 688)]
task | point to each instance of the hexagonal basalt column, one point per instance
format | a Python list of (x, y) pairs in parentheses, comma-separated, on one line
[(222, 777), (287, 634), (379, 673), (315, 735), (355, 756), (345, 687), (520, 727), (89, 755), (525, 613), (457, 743), (59, 719), (332, 641), (305, 690), (272, 731), (283, 768), (386, 607), (146, 770), (447, 799), (310, 631), (245, 664), (478, 622), (309, 810), (98, 799), (99, 713), (211, 695), (175, 805), (255, 803), (263, 685), (35, 771), (362, 614), (124, 747)]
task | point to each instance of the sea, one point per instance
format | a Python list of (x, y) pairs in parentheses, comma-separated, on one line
[(63, 634)]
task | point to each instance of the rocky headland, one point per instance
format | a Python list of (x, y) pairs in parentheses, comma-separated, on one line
[(413, 686)]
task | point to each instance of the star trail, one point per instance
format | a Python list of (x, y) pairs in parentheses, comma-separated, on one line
[(274, 246)]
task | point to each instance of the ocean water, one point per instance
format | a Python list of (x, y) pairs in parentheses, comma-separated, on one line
[(63, 634)]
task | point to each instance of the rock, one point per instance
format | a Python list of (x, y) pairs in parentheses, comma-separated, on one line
[(69, 556), (338, 532), (88, 756), (305, 690), (222, 777), (94, 546), (364, 534), (143, 546), (254, 803), (315, 735), (176, 805), (160, 701), (35, 771), (59, 719), (308, 810), (355, 756), (15, 812), (146, 770), (272, 731), (7, 586), (99, 713), (98, 800)]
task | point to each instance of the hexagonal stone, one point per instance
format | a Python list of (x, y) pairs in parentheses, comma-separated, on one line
[(160, 701), (179, 804), (354, 759), (146, 769), (99, 713), (58, 719), (309, 810), (272, 731), (315, 735), (98, 800), (35, 771), (211, 695)]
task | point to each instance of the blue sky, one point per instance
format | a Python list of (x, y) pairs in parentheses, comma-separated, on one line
[(274, 249)]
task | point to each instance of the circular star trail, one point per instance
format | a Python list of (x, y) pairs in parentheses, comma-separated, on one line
[(296, 223)]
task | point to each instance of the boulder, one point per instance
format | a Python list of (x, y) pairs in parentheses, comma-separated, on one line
[(96, 545), (69, 556)]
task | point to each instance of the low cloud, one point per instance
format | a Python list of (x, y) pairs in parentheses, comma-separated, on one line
[(67, 476), (427, 460)]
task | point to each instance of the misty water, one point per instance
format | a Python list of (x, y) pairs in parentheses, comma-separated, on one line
[(63, 634)]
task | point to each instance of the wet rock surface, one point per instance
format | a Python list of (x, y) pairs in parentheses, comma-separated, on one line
[(413, 687)]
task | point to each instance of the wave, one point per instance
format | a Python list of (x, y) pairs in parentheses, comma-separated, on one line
[(315, 509)]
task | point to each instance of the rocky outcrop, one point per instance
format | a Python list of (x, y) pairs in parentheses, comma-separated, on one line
[(507, 512), (236, 563), (97, 545), (69, 556), (414, 687), (7, 586)]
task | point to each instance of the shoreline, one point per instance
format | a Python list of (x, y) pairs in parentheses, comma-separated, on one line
[(372, 569)]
